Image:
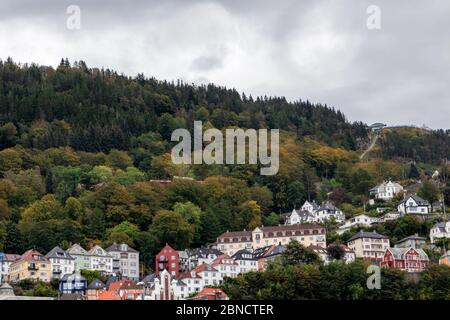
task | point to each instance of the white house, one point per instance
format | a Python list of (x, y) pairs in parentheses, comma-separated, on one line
[(349, 255), (246, 261), (62, 262), (6, 260), (199, 256), (309, 206), (101, 260), (386, 190), (361, 219), (300, 216), (439, 231), (226, 266), (415, 205), (209, 274), (164, 287), (193, 282), (328, 211), (125, 260)]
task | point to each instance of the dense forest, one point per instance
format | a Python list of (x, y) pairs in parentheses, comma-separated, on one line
[(80, 149)]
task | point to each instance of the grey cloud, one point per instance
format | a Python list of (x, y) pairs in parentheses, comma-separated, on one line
[(317, 50)]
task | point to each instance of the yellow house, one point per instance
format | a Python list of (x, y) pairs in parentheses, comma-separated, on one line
[(445, 259), (31, 265)]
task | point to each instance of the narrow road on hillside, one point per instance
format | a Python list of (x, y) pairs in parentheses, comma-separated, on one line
[(372, 144)]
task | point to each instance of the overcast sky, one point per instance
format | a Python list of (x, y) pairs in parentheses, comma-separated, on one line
[(316, 50)]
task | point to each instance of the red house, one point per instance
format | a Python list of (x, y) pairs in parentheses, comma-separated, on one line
[(168, 259), (405, 259)]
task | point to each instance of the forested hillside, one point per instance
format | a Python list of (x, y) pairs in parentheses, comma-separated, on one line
[(80, 145)]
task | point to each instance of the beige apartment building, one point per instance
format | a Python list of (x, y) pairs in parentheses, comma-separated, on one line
[(31, 265), (369, 245), (307, 234)]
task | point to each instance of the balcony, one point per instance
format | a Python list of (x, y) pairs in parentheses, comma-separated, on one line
[(33, 267), (57, 271)]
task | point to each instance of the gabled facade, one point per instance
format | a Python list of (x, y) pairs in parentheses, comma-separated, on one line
[(328, 211), (226, 266), (125, 260), (299, 216), (164, 286), (6, 260), (386, 190), (82, 257), (168, 259), (62, 262), (31, 265), (311, 207), (72, 284), (245, 260), (209, 274), (127, 289), (101, 260), (440, 230), (405, 259), (94, 288), (414, 205)]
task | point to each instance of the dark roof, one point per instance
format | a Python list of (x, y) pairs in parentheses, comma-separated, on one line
[(240, 255), (112, 279), (328, 207), (268, 251), (59, 253), (414, 237), (118, 247), (417, 199), (203, 252), (364, 234), (96, 284), (150, 278), (68, 276)]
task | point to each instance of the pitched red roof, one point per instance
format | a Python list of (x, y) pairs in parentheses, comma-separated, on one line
[(108, 295), (204, 267), (211, 294), (219, 260), (33, 255)]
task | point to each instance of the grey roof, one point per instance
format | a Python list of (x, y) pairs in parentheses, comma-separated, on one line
[(77, 249), (203, 252), (73, 276), (150, 278), (112, 279), (417, 199), (59, 253), (96, 284), (414, 237), (118, 247), (440, 225), (241, 255), (364, 234), (328, 207)]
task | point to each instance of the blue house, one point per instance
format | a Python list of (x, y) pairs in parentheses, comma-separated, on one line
[(73, 283)]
